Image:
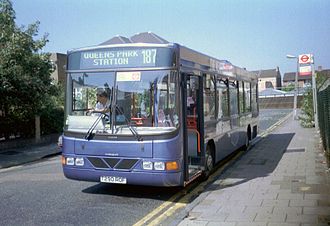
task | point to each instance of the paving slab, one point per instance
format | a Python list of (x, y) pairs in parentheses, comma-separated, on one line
[(283, 180)]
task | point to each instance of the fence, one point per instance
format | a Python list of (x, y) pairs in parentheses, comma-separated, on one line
[(323, 102)]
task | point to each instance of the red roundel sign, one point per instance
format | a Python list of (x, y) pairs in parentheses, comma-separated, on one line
[(305, 59)]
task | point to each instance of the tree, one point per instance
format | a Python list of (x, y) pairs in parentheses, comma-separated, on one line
[(25, 82)]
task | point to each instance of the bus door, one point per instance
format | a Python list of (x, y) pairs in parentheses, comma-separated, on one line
[(193, 135)]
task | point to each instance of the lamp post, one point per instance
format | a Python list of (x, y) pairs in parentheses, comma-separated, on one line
[(295, 86)]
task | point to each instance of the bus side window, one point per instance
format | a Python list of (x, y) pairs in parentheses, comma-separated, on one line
[(233, 93), (192, 89), (247, 90), (222, 90), (209, 97), (191, 112), (241, 97)]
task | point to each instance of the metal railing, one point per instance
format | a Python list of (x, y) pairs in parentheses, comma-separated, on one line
[(323, 102)]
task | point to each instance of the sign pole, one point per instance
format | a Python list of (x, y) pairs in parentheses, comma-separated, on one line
[(308, 59), (314, 98), (295, 92)]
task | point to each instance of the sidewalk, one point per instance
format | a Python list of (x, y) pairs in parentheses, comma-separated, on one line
[(282, 181), (19, 156)]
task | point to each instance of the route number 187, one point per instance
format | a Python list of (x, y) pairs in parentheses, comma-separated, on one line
[(149, 56)]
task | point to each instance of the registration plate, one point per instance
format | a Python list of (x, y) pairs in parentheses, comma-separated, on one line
[(113, 180)]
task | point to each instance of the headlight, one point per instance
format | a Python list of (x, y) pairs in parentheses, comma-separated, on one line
[(79, 161), (70, 161), (159, 165), (147, 165)]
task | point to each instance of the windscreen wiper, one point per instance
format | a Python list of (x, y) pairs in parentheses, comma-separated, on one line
[(132, 129), (90, 135)]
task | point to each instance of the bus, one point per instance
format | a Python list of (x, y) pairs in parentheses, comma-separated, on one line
[(174, 113)]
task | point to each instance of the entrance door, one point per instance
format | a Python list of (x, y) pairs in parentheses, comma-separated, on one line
[(193, 109)]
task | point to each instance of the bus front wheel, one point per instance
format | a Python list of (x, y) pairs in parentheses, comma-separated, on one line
[(247, 139), (209, 161)]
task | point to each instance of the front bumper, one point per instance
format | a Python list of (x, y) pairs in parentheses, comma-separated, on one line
[(161, 179)]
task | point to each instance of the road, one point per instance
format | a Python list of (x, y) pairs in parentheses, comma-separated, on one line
[(39, 194), (269, 117)]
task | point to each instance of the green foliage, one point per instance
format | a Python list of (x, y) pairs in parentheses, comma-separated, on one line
[(321, 77), (288, 88), (307, 117), (26, 88)]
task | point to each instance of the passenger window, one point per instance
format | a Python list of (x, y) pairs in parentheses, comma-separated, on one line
[(209, 97), (222, 95), (247, 94), (241, 97), (233, 98)]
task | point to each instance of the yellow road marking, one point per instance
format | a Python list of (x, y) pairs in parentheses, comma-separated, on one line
[(156, 211), (182, 202)]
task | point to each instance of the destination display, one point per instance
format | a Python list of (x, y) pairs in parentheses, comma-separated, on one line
[(121, 58)]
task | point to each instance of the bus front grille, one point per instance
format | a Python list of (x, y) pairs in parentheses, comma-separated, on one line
[(112, 163), (98, 162)]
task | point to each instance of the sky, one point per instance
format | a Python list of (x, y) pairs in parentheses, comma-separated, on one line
[(254, 34)]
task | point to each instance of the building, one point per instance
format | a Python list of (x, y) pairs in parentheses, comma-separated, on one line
[(59, 62), (303, 80), (270, 78)]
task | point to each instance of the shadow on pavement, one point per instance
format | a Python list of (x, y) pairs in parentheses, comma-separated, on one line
[(260, 161)]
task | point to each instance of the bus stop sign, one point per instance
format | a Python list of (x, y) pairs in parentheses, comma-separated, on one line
[(305, 59)]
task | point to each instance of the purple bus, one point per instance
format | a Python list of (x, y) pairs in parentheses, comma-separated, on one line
[(171, 113)]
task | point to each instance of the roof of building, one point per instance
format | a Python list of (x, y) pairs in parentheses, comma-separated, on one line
[(148, 37), (325, 72), (269, 73), (116, 40), (290, 76), (144, 37)]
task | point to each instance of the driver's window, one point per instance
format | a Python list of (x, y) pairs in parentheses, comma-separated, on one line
[(85, 87)]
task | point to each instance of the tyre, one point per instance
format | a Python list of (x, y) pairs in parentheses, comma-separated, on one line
[(247, 139), (247, 143), (209, 161)]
